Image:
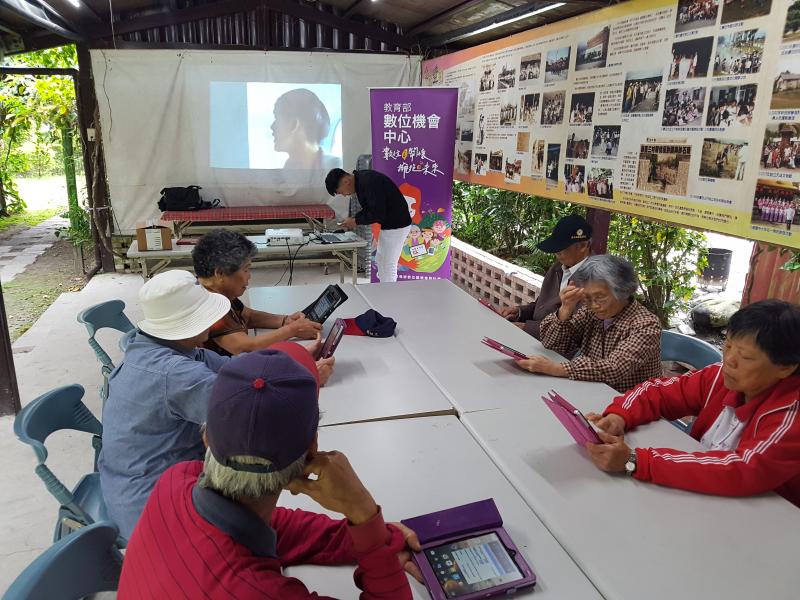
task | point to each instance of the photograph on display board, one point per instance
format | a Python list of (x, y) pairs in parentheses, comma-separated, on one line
[(523, 141), (463, 161), (556, 67), (739, 10), (551, 170), (664, 168), (791, 31), (513, 171), (605, 141), (467, 131), (487, 82), (731, 105), (592, 53), (537, 158), (466, 99), (529, 67), (496, 160), (481, 164), (683, 107), (578, 145), (528, 107), (481, 129), (781, 149), (694, 14), (601, 183), (776, 204), (690, 59), (553, 108), (786, 86), (507, 78), (508, 115), (739, 53), (574, 179), (723, 159), (581, 108), (642, 91)]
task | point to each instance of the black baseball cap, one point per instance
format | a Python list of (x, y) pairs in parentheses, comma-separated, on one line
[(569, 230)]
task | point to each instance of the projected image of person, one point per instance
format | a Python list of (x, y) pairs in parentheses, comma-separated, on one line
[(301, 124)]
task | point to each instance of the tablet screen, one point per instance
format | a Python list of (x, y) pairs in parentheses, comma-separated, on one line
[(472, 564)]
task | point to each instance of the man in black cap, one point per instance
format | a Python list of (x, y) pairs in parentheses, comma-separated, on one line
[(381, 202), (570, 241)]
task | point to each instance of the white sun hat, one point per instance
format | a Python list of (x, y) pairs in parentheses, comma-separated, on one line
[(177, 307)]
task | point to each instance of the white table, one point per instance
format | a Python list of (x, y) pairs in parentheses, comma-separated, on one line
[(344, 253), (417, 466), (374, 378), (637, 540), (442, 327)]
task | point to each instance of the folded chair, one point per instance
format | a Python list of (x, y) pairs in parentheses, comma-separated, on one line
[(58, 410), (83, 563), (110, 315)]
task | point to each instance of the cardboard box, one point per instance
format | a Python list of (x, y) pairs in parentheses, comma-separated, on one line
[(154, 234)]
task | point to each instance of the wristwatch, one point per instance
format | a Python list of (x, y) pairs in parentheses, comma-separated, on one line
[(630, 466)]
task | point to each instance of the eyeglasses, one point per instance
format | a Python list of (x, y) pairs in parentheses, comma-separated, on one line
[(596, 300)]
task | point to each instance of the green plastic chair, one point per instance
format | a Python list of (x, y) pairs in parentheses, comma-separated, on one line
[(111, 315), (58, 410), (687, 350), (83, 563)]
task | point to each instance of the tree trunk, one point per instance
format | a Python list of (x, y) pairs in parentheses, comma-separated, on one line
[(3, 205), (69, 173)]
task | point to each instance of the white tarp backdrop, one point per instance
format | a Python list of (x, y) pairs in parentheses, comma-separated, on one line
[(156, 122)]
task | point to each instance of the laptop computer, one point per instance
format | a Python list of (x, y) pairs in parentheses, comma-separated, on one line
[(326, 237)]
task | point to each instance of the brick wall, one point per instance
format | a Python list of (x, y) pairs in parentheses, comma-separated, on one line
[(483, 275)]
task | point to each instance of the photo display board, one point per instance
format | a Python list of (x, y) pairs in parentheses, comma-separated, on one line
[(686, 111)]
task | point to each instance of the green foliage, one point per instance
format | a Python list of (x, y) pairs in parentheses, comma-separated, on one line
[(793, 264), (509, 224), (79, 231), (666, 259), (33, 111)]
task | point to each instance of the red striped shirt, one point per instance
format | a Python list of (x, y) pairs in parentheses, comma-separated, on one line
[(175, 553)]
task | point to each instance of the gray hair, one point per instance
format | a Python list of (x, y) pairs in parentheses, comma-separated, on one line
[(616, 272), (239, 485)]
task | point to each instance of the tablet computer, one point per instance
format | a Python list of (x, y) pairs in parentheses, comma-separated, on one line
[(328, 301), (332, 341), (572, 419), (468, 554), (507, 350)]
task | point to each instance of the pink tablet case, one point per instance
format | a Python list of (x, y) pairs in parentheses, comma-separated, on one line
[(495, 345), (572, 419)]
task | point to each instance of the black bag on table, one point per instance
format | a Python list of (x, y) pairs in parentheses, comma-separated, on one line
[(184, 198)]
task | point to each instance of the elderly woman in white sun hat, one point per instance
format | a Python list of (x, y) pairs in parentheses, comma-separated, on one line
[(158, 396)]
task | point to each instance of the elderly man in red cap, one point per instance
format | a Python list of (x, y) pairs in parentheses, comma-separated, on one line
[(213, 529)]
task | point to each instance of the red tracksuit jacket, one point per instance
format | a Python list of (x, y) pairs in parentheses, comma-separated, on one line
[(174, 553), (766, 458)]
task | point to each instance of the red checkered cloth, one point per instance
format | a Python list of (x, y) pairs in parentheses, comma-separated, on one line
[(251, 213)]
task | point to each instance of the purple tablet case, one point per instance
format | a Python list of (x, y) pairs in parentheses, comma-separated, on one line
[(572, 419), (457, 523)]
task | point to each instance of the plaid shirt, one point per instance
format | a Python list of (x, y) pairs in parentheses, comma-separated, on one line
[(622, 355)]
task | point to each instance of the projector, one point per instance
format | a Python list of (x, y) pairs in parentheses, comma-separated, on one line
[(281, 237)]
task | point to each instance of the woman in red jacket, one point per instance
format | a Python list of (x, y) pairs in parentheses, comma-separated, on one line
[(747, 414)]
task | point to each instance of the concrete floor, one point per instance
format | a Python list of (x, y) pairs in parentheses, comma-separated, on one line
[(53, 353)]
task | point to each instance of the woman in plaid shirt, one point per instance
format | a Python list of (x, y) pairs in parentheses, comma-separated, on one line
[(618, 338)]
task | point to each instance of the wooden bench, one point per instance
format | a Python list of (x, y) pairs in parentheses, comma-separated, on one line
[(246, 218)]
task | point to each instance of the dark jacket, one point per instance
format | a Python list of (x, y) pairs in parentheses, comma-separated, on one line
[(548, 301), (381, 201)]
